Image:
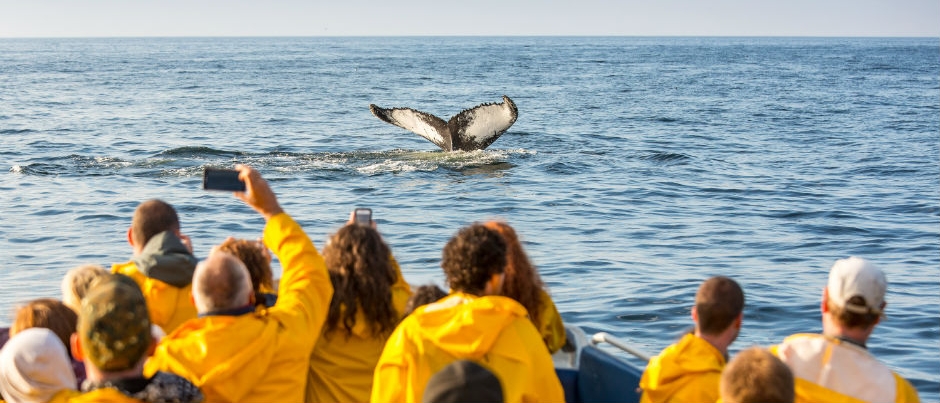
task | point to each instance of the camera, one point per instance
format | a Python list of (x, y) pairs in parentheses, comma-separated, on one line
[(222, 179)]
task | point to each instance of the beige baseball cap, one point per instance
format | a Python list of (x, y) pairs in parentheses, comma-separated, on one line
[(855, 276)]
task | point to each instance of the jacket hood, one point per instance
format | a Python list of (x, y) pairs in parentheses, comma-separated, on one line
[(678, 365), (465, 325), (165, 258), (243, 348)]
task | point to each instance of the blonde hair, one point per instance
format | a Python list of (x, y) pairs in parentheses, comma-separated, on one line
[(755, 375), (78, 281)]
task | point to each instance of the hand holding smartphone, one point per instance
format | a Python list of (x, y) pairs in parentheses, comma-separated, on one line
[(222, 179)]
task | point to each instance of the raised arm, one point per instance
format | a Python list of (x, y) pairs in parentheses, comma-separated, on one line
[(305, 291), (258, 193)]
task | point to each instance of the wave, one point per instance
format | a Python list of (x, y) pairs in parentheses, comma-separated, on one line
[(75, 165), (16, 131), (190, 161), (665, 157), (197, 151)]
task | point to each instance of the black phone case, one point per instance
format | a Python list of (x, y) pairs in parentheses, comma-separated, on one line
[(222, 179)]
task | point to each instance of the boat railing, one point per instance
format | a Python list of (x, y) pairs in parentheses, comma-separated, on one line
[(604, 337)]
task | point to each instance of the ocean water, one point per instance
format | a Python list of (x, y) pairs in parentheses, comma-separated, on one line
[(637, 168)]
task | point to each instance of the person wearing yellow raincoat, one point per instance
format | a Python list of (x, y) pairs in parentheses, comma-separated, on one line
[(690, 370), (473, 323), (363, 276), (523, 284), (162, 265), (836, 366), (233, 352), (550, 325), (113, 339)]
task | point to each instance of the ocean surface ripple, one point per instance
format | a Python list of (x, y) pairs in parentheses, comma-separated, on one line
[(637, 168)]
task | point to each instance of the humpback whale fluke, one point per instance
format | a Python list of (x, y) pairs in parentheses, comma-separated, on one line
[(472, 129)]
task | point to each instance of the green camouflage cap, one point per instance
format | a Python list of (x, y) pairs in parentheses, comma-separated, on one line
[(114, 325)]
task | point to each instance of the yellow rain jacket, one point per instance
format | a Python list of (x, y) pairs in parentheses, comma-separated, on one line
[(341, 368), (493, 331), (261, 356), (169, 306), (64, 396), (104, 395), (687, 371), (164, 271), (827, 369), (551, 327)]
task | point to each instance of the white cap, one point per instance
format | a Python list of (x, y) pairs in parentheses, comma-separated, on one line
[(34, 366), (857, 277)]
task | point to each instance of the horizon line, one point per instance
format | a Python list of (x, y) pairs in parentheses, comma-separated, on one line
[(479, 36)]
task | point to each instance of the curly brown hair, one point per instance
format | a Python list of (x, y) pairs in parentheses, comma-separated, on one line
[(255, 260), (423, 295), (522, 282), (472, 257), (362, 274)]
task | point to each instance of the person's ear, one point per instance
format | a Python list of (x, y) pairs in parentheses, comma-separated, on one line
[(880, 317), (75, 344), (739, 321), (824, 305), (187, 242), (694, 314), (130, 236)]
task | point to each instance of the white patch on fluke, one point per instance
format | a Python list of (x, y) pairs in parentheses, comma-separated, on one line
[(472, 129), (417, 124)]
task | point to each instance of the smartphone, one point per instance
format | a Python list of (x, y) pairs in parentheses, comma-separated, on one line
[(222, 179), (363, 216)]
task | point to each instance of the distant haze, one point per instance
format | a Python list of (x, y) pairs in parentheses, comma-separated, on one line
[(121, 18)]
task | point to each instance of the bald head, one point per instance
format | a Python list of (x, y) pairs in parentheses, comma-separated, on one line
[(221, 282), (151, 218)]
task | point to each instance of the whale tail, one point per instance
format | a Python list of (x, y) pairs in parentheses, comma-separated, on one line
[(471, 129)]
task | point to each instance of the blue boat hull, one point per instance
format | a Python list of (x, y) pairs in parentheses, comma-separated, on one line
[(590, 374)]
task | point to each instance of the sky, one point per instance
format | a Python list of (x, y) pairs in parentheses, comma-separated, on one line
[(147, 18)]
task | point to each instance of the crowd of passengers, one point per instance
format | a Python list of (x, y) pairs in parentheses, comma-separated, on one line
[(345, 326)]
